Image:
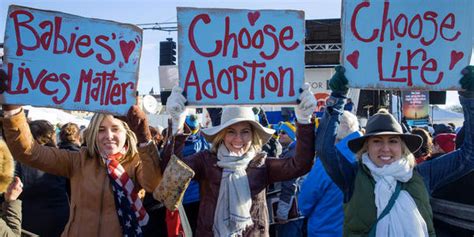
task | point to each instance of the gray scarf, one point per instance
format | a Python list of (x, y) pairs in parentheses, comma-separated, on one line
[(232, 213)]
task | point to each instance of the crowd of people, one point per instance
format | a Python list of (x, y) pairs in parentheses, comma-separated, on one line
[(334, 177)]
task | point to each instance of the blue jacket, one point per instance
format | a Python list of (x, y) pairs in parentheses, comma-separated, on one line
[(435, 173), (194, 143), (320, 200)]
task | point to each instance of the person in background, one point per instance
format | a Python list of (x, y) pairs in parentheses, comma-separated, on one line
[(44, 194), (70, 137), (10, 222), (424, 153), (273, 148), (443, 143), (11, 187), (442, 128), (386, 168), (349, 106), (320, 199), (453, 126), (287, 214), (461, 192), (234, 173)]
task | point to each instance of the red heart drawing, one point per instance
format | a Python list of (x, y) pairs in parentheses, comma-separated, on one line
[(353, 58), (253, 17), (127, 49), (455, 57)]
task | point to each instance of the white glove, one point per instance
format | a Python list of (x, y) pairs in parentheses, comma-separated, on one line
[(306, 107), (176, 108)]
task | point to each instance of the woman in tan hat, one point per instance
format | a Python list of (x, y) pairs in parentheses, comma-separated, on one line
[(384, 193), (234, 173)]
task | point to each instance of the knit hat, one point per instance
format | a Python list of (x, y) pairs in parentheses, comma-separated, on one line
[(192, 122), (233, 115), (6, 167), (447, 141), (289, 129)]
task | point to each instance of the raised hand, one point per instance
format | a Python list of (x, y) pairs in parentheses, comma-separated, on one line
[(138, 122), (14, 190), (304, 110), (338, 82), (3, 87), (176, 107)]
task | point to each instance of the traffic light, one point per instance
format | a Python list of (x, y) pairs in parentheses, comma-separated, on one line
[(168, 52)]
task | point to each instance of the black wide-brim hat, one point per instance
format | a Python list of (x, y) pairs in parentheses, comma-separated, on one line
[(383, 123)]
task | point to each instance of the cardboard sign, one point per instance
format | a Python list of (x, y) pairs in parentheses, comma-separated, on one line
[(406, 45), (240, 56), (416, 107), (70, 62)]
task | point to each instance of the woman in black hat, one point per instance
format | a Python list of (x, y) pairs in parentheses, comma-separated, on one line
[(384, 193)]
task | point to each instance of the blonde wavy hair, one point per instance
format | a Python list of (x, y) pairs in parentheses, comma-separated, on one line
[(92, 131), (406, 153), (219, 139)]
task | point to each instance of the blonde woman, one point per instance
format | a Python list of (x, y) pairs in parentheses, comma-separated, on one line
[(105, 176), (234, 173)]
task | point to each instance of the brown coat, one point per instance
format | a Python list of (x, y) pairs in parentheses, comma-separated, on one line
[(260, 175), (92, 209)]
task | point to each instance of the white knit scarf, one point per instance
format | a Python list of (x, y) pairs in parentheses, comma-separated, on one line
[(232, 213), (404, 219)]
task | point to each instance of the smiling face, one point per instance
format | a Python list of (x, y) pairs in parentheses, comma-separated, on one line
[(111, 136), (385, 149), (238, 138)]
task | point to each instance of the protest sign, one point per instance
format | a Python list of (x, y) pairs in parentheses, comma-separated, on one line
[(60, 60), (407, 45), (229, 56), (416, 107)]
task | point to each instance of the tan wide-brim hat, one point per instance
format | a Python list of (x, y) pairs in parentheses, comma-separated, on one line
[(385, 124), (233, 115)]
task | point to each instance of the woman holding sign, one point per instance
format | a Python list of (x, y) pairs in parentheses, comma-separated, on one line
[(105, 176), (234, 173), (384, 193)]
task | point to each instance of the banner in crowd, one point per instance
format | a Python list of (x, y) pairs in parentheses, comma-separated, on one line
[(318, 81), (416, 107), (229, 56), (406, 45), (60, 60)]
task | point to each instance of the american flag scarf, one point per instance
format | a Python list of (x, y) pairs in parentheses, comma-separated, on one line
[(131, 216)]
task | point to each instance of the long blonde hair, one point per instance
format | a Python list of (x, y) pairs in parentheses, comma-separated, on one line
[(219, 139), (406, 153), (92, 130)]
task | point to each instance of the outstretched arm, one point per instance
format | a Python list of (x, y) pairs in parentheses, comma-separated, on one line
[(454, 165), (341, 171)]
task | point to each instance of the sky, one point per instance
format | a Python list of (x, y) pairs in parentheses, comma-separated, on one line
[(148, 11)]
